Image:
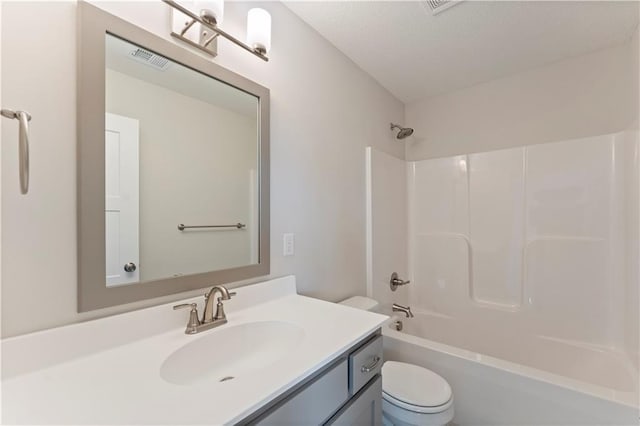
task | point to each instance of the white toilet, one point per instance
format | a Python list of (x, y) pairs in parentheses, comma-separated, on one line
[(411, 395)]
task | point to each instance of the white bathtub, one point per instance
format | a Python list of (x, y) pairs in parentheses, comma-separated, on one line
[(509, 380)]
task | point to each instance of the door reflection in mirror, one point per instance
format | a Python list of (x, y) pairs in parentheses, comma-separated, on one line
[(122, 239)]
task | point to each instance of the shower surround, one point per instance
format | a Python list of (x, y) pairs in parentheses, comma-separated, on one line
[(526, 255)]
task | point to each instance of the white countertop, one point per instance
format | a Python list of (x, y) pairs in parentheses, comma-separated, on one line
[(87, 374)]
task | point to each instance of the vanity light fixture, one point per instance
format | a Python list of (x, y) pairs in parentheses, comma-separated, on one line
[(259, 30), (209, 15), (211, 11)]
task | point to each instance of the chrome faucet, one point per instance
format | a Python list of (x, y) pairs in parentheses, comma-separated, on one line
[(209, 320), (207, 315), (404, 309)]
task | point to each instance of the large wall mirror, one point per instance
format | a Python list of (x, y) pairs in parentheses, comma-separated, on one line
[(173, 172)]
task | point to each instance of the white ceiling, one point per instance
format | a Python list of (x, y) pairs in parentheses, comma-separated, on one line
[(416, 55)]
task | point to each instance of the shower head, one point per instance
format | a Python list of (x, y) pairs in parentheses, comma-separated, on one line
[(404, 131)]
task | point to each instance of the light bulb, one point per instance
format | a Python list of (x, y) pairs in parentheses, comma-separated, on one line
[(259, 30), (211, 10)]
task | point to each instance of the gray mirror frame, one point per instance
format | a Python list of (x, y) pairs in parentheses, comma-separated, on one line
[(93, 25)]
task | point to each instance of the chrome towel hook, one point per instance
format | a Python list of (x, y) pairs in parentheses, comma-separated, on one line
[(23, 145)]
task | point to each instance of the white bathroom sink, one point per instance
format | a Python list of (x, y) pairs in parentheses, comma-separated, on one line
[(230, 352), (155, 374)]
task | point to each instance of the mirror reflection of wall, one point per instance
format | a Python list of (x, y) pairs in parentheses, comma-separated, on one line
[(196, 163)]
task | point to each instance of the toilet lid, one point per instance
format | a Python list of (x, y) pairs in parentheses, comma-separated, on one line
[(414, 385)]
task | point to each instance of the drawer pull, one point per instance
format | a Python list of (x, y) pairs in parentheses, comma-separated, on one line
[(369, 368)]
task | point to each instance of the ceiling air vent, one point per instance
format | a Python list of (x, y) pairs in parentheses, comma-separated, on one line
[(437, 6), (148, 58)]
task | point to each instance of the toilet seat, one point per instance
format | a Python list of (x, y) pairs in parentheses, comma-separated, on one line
[(416, 408), (414, 388)]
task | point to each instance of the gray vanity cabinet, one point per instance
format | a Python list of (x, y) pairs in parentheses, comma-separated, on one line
[(314, 402), (346, 392), (365, 409)]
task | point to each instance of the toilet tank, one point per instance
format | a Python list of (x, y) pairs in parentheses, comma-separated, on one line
[(361, 302)]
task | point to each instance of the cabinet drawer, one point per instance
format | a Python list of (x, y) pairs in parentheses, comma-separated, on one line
[(364, 409), (314, 403), (364, 364)]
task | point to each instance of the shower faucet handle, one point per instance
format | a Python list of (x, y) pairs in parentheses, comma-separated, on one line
[(395, 282)]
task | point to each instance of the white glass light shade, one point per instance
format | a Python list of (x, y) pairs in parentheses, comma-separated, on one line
[(259, 29), (211, 9)]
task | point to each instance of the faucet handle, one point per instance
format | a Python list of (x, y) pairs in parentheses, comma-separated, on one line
[(395, 281), (194, 322), (185, 306), (220, 315)]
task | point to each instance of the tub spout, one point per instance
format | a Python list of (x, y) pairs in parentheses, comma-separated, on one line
[(404, 309)]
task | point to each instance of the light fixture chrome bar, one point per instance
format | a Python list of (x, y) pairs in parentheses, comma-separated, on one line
[(238, 225), (213, 28), (193, 43), (23, 145), (208, 42), (187, 27)]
